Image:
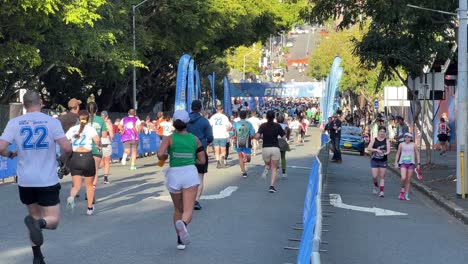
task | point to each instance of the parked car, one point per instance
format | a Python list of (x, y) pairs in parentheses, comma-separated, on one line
[(352, 139)]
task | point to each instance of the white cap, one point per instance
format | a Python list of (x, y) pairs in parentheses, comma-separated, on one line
[(182, 115), (408, 134)]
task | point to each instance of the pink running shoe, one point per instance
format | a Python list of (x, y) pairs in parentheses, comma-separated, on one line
[(418, 173), (402, 196)]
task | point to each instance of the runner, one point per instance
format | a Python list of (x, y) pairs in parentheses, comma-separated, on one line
[(243, 131), (221, 127), (107, 146), (201, 128), (131, 126), (82, 162), (380, 148), (283, 145), (69, 119), (157, 125), (270, 151), (100, 125), (185, 150), (255, 121), (405, 159), (443, 131), (335, 137), (36, 135)]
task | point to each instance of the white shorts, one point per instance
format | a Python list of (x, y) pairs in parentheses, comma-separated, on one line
[(106, 151), (271, 153), (179, 178)]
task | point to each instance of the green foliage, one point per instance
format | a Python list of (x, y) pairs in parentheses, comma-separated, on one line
[(399, 37), (356, 78), (79, 48)]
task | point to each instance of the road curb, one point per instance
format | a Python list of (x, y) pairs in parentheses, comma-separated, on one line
[(445, 203)]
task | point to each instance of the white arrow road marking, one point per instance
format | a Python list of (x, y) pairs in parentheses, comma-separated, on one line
[(222, 194), (335, 200)]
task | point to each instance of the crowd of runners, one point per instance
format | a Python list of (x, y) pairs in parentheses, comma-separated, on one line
[(79, 143)]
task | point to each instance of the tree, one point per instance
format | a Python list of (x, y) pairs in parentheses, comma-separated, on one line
[(400, 39)]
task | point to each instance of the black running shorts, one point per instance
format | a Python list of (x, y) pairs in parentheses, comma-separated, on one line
[(82, 163), (43, 196)]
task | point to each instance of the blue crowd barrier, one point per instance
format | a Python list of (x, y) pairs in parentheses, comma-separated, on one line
[(147, 143), (324, 138), (8, 166), (309, 215)]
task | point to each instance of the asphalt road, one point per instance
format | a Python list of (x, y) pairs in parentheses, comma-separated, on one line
[(133, 222), (427, 234)]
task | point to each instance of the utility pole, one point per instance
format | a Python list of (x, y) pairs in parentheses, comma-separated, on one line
[(461, 95), (134, 7)]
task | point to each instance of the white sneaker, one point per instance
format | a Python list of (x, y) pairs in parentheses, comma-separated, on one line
[(381, 194), (284, 176), (180, 246), (71, 202), (265, 173), (124, 159), (90, 211), (182, 232), (375, 190)]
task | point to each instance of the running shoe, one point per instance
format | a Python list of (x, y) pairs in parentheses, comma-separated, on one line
[(375, 190), (265, 173), (402, 196), (106, 180), (272, 189), (133, 167), (381, 194), (180, 246), (218, 164), (182, 232), (285, 176), (244, 175), (38, 261), (90, 211), (407, 197), (71, 202), (418, 173), (197, 206), (35, 232)]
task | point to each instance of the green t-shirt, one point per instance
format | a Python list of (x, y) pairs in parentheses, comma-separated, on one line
[(182, 150), (100, 125)]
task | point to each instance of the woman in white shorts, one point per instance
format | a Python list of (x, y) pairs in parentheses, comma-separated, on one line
[(106, 144), (182, 178), (270, 131)]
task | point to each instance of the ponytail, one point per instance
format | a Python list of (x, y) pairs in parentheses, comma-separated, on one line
[(83, 123), (83, 117)]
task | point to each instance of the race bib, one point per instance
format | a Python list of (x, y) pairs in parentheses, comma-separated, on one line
[(406, 160)]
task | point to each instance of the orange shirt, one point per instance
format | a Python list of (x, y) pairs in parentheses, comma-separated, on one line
[(159, 128)]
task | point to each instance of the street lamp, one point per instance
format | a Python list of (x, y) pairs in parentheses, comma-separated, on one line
[(134, 7)]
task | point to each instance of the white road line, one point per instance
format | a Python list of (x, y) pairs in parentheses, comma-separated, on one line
[(121, 191), (335, 200), (223, 194)]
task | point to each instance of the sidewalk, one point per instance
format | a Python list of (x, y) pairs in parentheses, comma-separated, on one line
[(439, 183)]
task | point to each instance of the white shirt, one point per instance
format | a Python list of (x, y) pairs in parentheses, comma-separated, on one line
[(295, 125), (221, 125), (35, 135), (86, 137), (167, 128), (255, 121), (237, 119)]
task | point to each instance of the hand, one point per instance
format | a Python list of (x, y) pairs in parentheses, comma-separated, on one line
[(13, 154)]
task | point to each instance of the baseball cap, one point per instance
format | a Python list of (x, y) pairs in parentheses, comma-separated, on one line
[(408, 134), (181, 115), (104, 113), (73, 103), (196, 105)]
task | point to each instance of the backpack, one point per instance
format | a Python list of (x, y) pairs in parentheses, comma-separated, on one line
[(242, 134)]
